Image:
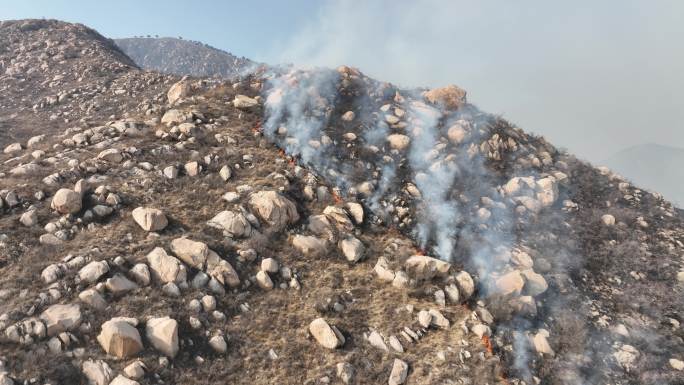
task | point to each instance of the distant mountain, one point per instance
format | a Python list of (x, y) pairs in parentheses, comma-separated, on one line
[(653, 166), (183, 57)]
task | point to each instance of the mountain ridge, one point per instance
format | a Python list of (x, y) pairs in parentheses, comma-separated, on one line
[(306, 227)]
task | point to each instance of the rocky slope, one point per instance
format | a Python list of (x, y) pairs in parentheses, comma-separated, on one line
[(183, 57), (309, 227), (655, 166)]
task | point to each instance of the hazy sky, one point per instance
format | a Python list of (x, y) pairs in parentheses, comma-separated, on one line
[(592, 76)]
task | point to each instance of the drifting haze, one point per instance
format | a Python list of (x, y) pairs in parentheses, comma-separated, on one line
[(594, 77)]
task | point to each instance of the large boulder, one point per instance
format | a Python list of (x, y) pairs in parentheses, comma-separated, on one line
[(61, 318), (244, 102), (166, 268), (120, 339), (172, 117), (351, 248), (510, 283), (222, 270), (424, 267), (150, 219), (450, 97), (399, 372), (179, 90), (13, 148), (273, 208), (163, 335), (235, 224), (97, 372), (112, 155), (191, 252), (326, 335), (66, 201), (398, 142), (339, 217), (92, 272), (309, 245)]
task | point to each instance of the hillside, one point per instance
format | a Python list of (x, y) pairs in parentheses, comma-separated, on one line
[(309, 227), (653, 166), (183, 57)]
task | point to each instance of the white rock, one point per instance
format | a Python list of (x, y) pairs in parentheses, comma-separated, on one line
[(61, 318), (135, 370), (92, 272), (93, 298), (218, 343), (66, 201), (97, 372), (273, 208), (676, 364), (29, 218), (111, 155), (399, 372), (119, 339), (164, 267), (13, 148), (352, 249), (193, 253), (309, 245), (270, 265), (398, 141), (608, 220), (150, 219), (225, 173), (326, 335), (383, 271), (356, 211), (376, 340), (244, 102), (234, 224), (264, 280), (424, 267), (163, 335), (141, 274)]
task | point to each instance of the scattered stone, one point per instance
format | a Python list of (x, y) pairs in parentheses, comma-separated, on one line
[(326, 335), (235, 224), (270, 265), (150, 219), (352, 249), (66, 201), (425, 268), (273, 208), (120, 339), (92, 272), (163, 335), (135, 370), (61, 318), (97, 372), (399, 372), (218, 343), (164, 267), (309, 245), (264, 280)]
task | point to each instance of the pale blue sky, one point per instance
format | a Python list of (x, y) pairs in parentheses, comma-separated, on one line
[(593, 76)]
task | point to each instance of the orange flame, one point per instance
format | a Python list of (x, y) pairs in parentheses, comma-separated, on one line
[(487, 344), (257, 126)]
